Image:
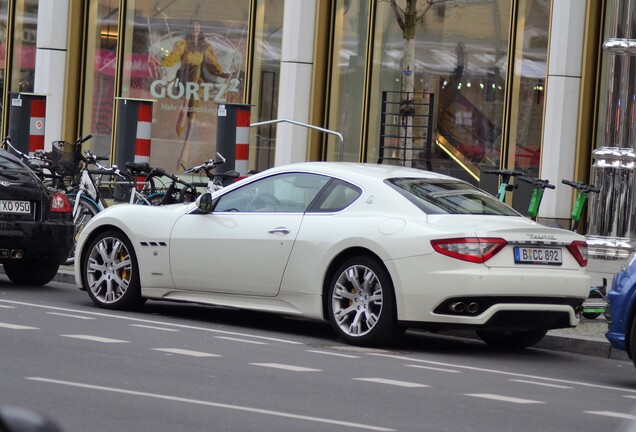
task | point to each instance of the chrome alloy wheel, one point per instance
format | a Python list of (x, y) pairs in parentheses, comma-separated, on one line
[(109, 270), (357, 300)]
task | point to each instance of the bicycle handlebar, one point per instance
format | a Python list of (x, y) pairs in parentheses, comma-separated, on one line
[(537, 182), (207, 166), (80, 140), (583, 187)]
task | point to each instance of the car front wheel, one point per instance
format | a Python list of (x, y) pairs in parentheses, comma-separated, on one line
[(361, 303), (31, 272), (512, 340), (110, 272)]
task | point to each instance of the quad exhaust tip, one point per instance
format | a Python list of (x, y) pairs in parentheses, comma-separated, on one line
[(464, 308)]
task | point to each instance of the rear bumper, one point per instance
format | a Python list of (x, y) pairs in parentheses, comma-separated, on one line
[(511, 298), (50, 240)]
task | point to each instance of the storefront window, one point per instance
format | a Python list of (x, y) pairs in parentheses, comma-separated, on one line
[(460, 71), (3, 45), (528, 86), (24, 45), (265, 74), (348, 71), (99, 89), (188, 56)]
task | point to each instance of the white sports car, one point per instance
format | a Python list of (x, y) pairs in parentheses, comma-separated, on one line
[(372, 249)]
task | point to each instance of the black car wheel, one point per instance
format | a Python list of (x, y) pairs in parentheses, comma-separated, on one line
[(110, 272), (361, 304), (31, 272), (512, 340)]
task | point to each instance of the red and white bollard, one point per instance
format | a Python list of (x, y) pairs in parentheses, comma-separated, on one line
[(233, 136)]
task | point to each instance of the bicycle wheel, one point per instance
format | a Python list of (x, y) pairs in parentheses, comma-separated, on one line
[(86, 209)]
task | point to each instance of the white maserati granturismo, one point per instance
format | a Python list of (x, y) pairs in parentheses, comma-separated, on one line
[(373, 249)]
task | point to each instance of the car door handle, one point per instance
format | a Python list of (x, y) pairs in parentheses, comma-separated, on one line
[(281, 230)]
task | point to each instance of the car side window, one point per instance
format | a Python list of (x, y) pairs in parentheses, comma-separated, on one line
[(290, 193), (339, 196)]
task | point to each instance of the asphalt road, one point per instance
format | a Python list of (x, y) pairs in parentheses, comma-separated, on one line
[(177, 367)]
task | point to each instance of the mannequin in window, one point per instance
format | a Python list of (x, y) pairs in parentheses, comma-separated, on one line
[(195, 54)]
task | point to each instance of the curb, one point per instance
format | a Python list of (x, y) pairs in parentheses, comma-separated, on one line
[(582, 345), (553, 341)]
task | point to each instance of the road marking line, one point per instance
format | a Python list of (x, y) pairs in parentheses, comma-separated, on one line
[(216, 405), (433, 368), (185, 352), (333, 354), (392, 382), (503, 398), (241, 340), (540, 383), (17, 327), (154, 327), (612, 414), (95, 338), (7, 307), (499, 372), (70, 316), (286, 367), (125, 318)]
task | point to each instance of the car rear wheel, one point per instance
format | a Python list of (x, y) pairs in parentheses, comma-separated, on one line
[(512, 340), (361, 303), (31, 272), (110, 272)]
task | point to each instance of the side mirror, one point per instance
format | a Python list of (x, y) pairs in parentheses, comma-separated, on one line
[(204, 202)]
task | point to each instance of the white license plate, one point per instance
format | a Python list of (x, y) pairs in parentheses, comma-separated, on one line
[(10, 206), (538, 255)]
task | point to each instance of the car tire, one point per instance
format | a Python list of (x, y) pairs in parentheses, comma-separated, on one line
[(632, 341), (31, 272), (361, 303), (110, 272), (85, 211), (512, 340)]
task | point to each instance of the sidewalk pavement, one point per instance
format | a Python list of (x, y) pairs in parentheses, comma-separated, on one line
[(587, 338)]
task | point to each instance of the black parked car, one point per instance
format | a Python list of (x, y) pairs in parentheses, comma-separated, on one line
[(36, 224)]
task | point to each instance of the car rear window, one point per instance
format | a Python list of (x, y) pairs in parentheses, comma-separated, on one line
[(437, 196), (8, 164)]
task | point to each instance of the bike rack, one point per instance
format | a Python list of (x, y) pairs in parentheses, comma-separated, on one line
[(308, 126)]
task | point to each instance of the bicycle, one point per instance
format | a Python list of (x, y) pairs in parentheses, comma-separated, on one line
[(177, 191), (85, 192), (504, 185), (216, 181), (596, 303)]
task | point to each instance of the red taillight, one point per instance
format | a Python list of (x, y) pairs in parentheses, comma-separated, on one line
[(472, 249), (60, 203), (578, 249)]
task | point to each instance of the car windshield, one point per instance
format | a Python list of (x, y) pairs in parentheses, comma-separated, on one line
[(442, 196)]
